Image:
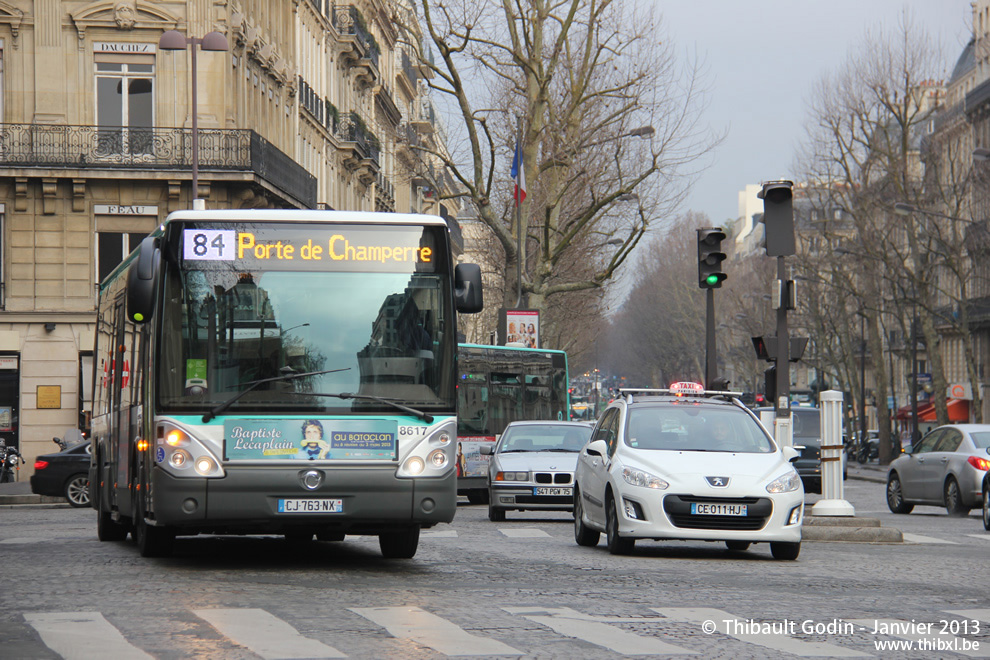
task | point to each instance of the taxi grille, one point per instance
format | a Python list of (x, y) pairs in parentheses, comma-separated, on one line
[(678, 510), (552, 477)]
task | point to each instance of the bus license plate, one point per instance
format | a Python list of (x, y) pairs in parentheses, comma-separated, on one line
[(702, 509), (551, 491), (311, 506)]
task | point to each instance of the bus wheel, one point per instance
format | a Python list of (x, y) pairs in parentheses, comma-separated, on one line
[(151, 541), (399, 545), (107, 529), (477, 496)]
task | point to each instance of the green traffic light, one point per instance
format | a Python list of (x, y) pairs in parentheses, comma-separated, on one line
[(711, 280)]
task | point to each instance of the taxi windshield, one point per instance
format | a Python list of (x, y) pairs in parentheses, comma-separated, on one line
[(695, 428)]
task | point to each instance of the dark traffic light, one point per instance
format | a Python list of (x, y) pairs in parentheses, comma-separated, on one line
[(778, 218), (710, 258)]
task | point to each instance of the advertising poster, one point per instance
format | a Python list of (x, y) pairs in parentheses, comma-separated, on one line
[(470, 461), (522, 327), (310, 440)]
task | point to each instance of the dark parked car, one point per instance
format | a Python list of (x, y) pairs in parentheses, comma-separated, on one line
[(64, 473), (807, 434)]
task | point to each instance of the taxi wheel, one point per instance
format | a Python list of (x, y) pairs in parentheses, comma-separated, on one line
[(785, 551), (616, 544), (583, 535), (496, 514), (737, 546), (953, 500), (895, 498)]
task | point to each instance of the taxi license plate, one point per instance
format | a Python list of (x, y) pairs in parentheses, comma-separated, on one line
[(702, 509), (310, 506), (551, 491)]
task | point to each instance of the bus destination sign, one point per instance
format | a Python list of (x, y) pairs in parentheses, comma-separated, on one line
[(306, 248)]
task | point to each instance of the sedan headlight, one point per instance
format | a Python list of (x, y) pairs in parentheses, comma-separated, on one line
[(512, 476), (644, 479), (786, 483)]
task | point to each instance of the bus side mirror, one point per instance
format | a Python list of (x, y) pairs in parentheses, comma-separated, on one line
[(467, 288), (142, 276)]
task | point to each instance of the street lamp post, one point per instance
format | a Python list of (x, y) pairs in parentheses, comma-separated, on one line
[(213, 41)]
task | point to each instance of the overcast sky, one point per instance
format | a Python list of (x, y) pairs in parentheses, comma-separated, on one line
[(763, 57)]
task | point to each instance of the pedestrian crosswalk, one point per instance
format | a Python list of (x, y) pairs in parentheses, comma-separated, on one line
[(506, 631)]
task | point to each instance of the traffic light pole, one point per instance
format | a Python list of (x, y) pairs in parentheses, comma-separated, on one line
[(710, 362), (782, 399)]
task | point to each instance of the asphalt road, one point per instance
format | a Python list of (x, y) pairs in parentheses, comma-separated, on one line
[(521, 588)]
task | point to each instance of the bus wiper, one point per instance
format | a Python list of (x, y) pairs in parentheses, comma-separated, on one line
[(426, 417), (288, 374)]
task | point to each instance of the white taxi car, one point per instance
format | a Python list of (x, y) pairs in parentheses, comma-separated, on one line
[(686, 464)]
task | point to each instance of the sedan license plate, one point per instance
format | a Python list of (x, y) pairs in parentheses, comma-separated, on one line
[(544, 490), (310, 506), (703, 509)]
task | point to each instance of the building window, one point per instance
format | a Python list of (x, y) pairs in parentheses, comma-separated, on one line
[(124, 107), (111, 248)]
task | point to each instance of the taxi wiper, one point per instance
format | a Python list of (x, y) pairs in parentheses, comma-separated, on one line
[(426, 417), (288, 374)]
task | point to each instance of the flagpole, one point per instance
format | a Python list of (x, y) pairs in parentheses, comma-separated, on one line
[(519, 227)]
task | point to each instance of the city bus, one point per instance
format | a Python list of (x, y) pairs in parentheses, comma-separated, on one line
[(279, 372), (497, 385)]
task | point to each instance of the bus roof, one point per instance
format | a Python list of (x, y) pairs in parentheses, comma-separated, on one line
[(305, 215)]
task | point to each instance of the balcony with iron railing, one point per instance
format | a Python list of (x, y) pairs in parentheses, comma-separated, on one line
[(384, 194), (406, 78), (361, 148), (356, 45), (51, 146)]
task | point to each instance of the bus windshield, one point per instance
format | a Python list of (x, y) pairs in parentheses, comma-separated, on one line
[(371, 305)]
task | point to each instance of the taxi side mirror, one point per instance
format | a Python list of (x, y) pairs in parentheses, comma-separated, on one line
[(791, 454), (487, 449), (596, 448)]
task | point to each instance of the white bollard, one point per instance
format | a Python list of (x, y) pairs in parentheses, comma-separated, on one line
[(832, 502)]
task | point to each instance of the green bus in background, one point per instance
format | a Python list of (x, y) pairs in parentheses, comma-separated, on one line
[(497, 385)]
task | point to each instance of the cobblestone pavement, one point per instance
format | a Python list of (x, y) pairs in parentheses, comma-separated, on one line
[(521, 588)]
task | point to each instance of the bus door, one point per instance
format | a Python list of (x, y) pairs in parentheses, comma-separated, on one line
[(119, 375)]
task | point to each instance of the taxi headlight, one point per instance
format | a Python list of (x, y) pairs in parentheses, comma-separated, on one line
[(644, 479), (786, 483)]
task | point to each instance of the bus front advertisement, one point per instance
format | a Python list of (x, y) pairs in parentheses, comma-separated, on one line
[(292, 372)]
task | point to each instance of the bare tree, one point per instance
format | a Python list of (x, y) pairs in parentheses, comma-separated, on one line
[(865, 126), (610, 127)]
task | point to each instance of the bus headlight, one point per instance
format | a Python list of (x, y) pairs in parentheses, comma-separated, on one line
[(438, 458), (179, 458), (415, 466), (444, 438), (205, 465), (176, 438)]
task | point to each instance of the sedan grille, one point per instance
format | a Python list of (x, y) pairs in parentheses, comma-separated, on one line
[(678, 510), (545, 499), (552, 477)]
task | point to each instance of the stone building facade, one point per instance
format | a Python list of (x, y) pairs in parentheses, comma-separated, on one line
[(313, 105)]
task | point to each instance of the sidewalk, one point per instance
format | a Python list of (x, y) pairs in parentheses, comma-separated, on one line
[(19, 493)]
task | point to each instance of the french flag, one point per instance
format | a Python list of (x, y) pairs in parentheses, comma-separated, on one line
[(518, 175)]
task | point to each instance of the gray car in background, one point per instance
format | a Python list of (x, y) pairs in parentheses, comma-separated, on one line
[(532, 466), (945, 468)]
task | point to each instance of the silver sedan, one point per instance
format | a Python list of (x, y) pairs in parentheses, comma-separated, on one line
[(532, 466), (945, 468)]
